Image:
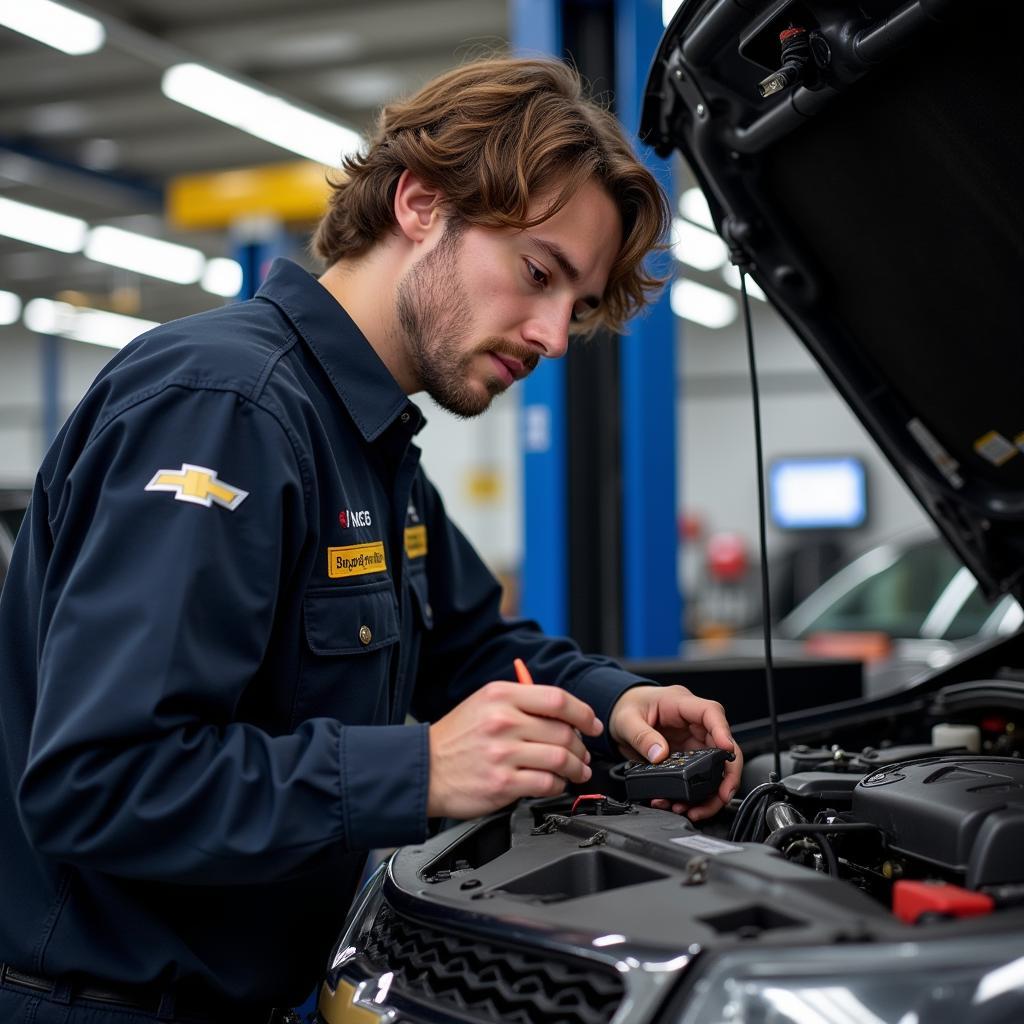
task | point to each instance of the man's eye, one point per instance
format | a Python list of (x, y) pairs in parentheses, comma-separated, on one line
[(538, 275)]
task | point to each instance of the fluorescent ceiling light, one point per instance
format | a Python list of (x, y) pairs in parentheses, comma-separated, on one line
[(10, 308), (702, 305), (222, 277), (731, 276), (268, 117), (145, 255), (53, 24), (95, 326), (41, 227), (693, 206), (696, 247), (129, 250)]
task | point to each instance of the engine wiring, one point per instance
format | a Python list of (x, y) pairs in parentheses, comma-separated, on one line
[(748, 826), (821, 831)]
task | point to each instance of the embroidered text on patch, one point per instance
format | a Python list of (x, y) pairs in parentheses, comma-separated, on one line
[(356, 560), (198, 485), (415, 541)]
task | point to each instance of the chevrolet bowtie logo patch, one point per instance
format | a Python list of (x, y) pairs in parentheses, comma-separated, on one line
[(198, 485)]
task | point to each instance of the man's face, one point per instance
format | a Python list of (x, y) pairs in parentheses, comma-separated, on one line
[(481, 308)]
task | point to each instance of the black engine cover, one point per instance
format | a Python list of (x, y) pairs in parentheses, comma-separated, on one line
[(962, 814)]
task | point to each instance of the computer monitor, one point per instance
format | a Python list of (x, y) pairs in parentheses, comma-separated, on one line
[(818, 493)]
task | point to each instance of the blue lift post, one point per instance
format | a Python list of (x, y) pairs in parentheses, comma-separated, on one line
[(255, 248), (651, 602)]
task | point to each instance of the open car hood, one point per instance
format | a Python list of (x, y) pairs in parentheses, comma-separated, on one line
[(878, 204)]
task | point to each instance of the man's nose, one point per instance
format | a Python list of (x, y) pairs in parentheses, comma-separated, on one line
[(549, 333)]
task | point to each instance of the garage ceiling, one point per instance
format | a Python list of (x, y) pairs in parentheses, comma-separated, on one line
[(93, 136)]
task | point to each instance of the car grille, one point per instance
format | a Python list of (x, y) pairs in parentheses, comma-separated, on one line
[(482, 981)]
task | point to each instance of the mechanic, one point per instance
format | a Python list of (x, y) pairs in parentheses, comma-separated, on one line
[(234, 580)]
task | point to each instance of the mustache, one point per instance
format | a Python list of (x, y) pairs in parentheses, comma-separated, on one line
[(527, 356)]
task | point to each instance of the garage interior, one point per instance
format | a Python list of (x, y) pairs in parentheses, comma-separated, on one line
[(133, 193)]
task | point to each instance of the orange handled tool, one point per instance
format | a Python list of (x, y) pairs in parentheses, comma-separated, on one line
[(522, 672)]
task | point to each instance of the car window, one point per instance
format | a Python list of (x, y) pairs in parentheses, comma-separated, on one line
[(1003, 618), (971, 618), (895, 600)]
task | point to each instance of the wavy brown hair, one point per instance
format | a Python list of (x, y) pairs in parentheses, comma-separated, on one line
[(491, 135)]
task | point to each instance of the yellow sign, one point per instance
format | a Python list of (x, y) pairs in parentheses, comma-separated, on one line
[(483, 485), (198, 485), (415, 541), (292, 191), (356, 560)]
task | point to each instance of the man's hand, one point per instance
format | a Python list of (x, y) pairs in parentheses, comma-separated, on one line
[(649, 722), (504, 742)]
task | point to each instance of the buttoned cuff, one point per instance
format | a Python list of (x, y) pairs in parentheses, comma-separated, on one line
[(385, 770)]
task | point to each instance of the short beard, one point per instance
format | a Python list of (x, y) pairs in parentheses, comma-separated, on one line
[(434, 312)]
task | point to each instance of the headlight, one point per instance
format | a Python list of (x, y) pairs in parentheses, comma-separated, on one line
[(973, 979), (364, 910)]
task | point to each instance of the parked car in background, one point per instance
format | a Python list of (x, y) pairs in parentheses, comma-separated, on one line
[(903, 607)]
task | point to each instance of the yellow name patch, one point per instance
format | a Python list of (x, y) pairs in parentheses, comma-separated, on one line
[(356, 560), (415, 541)]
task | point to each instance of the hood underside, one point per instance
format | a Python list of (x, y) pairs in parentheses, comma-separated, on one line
[(877, 201)]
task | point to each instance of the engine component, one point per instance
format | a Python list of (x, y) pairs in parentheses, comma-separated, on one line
[(965, 816), (947, 734), (780, 814), (913, 900), (803, 759)]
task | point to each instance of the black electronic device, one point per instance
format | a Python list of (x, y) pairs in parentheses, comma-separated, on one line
[(688, 776)]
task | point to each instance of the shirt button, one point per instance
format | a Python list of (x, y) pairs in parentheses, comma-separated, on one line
[(404, 417), (365, 636)]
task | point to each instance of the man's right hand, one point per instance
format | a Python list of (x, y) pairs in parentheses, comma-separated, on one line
[(504, 742)]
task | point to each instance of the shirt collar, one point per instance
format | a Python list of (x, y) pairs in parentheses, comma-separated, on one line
[(365, 385)]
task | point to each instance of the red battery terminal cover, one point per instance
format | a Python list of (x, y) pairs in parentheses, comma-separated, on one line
[(600, 805), (912, 899), (794, 30), (583, 798)]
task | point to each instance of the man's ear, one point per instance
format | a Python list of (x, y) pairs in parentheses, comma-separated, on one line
[(419, 207)]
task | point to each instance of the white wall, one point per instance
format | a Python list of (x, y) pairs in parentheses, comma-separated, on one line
[(801, 414), (462, 457), (22, 444)]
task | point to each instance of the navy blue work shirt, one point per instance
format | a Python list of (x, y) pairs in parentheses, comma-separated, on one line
[(232, 584)]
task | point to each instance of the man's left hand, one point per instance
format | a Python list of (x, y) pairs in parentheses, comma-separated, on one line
[(650, 722)]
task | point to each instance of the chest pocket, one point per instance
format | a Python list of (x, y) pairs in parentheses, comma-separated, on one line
[(352, 636)]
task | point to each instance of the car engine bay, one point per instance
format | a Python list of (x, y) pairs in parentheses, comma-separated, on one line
[(896, 824)]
